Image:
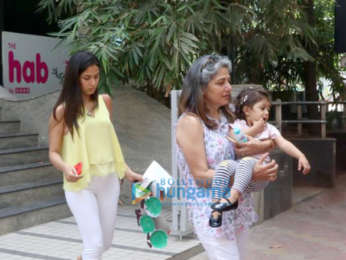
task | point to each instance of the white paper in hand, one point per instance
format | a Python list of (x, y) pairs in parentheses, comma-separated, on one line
[(157, 175)]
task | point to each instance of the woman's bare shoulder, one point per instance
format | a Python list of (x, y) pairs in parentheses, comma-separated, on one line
[(59, 113), (107, 98), (189, 120), (189, 125), (108, 102)]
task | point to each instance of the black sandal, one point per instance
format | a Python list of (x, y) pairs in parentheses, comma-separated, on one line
[(224, 206), (215, 222)]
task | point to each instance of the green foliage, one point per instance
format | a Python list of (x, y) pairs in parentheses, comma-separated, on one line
[(56, 9), (147, 42), (272, 43), (153, 42), (328, 62)]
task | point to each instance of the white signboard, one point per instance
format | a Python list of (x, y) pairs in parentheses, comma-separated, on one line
[(32, 65)]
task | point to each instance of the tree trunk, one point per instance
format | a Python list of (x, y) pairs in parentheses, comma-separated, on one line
[(310, 81), (310, 74), (310, 77)]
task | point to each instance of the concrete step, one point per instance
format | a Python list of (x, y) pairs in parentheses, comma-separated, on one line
[(15, 217), (27, 173), (29, 192), (17, 140), (30, 187), (9, 126), (17, 156)]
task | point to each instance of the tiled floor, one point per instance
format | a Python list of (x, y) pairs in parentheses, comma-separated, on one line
[(323, 214), (60, 240), (313, 229)]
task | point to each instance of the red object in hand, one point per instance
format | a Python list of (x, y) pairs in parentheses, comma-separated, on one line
[(78, 168)]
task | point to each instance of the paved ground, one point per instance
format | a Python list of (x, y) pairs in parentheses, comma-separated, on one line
[(313, 229), (60, 240)]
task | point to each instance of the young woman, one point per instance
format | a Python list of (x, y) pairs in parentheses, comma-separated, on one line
[(81, 131)]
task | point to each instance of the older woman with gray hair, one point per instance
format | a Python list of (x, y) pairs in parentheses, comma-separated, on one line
[(201, 138)]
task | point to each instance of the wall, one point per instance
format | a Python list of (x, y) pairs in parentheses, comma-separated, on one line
[(33, 114), (321, 154), (277, 196), (340, 149), (142, 125)]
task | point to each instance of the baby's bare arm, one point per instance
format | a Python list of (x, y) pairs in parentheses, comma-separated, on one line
[(292, 150)]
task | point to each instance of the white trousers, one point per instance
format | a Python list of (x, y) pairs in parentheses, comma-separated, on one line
[(94, 209), (225, 249)]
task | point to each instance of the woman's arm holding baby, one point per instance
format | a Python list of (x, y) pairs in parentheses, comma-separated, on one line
[(253, 147)]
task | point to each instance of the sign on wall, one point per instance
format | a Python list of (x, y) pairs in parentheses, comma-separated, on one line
[(32, 65)]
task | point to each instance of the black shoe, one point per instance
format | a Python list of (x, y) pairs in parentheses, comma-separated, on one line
[(224, 206), (215, 222)]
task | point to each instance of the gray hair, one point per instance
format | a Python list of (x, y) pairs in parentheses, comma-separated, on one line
[(196, 81), (211, 65)]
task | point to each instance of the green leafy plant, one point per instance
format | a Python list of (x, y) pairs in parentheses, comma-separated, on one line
[(151, 43)]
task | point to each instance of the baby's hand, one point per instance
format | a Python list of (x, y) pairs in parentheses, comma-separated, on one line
[(250, 138), (303, 165), (233, 139), (231, 136), (259, 125)]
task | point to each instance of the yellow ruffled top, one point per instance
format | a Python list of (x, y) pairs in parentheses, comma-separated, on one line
[(96, 145)]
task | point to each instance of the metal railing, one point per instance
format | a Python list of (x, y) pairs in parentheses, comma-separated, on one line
[(323, 108)]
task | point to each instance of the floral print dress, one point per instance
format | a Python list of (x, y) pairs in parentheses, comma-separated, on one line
[(198, 199)]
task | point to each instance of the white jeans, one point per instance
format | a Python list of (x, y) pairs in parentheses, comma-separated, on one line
[(94, 209), (222, 248)]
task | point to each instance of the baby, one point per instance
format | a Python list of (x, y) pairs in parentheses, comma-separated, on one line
[(252, 111)]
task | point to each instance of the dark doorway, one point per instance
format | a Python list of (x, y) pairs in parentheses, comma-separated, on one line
[(340, 29), (22, 17)]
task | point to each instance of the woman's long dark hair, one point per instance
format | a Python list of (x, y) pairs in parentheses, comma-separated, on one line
[(71, 94), (196, 82)]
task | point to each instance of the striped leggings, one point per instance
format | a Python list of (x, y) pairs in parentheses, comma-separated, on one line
[(242, 172)]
